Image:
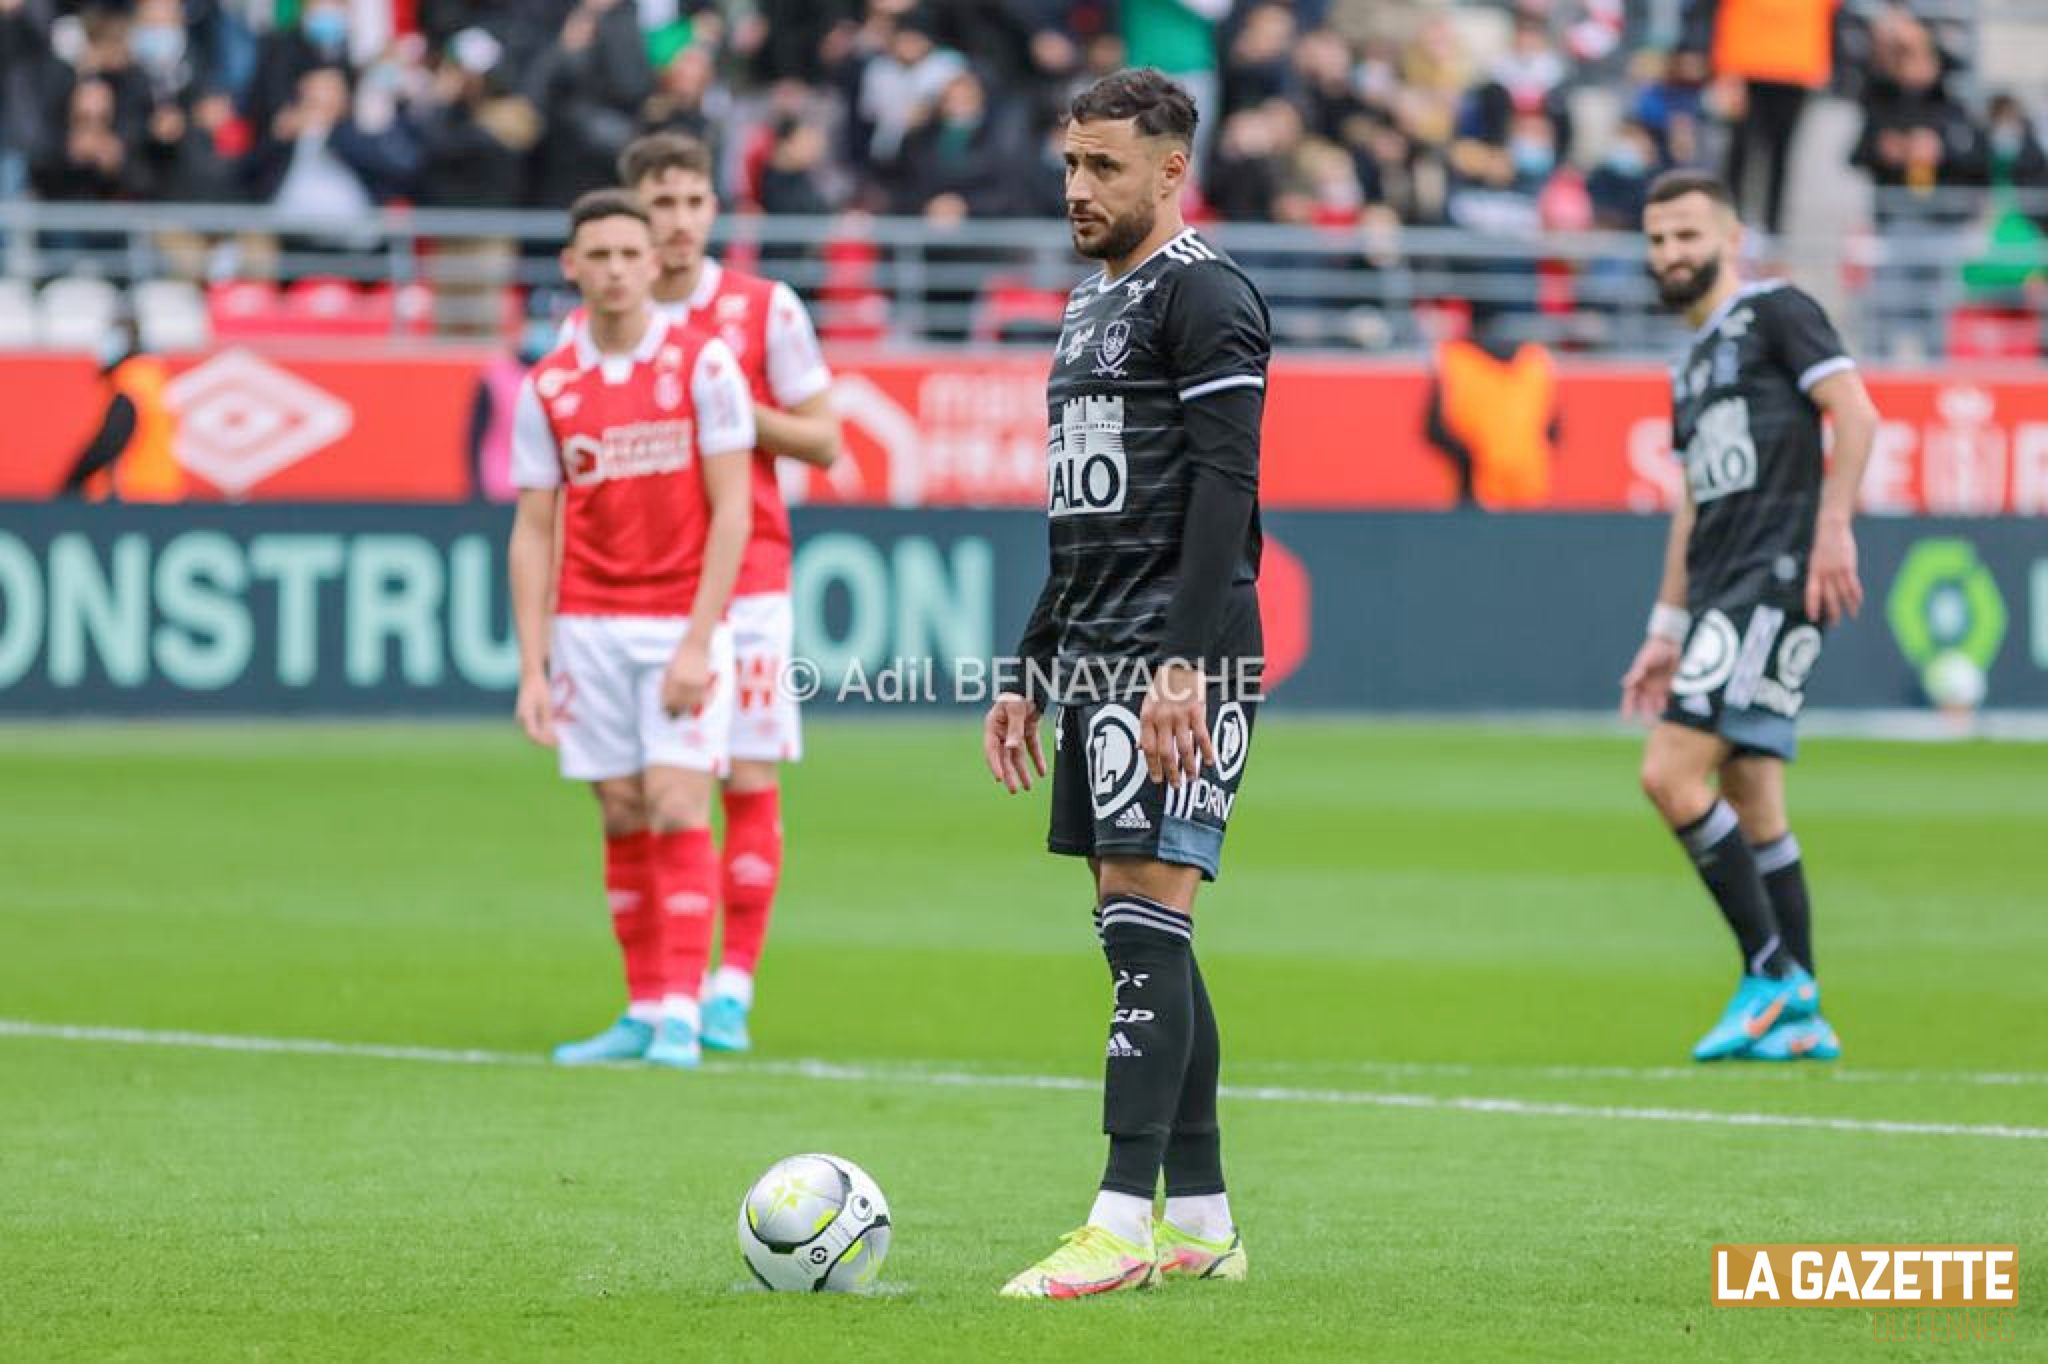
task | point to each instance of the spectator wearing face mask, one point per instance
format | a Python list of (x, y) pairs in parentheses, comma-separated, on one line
[(2014, 153), (321, 38), (1620, 183)]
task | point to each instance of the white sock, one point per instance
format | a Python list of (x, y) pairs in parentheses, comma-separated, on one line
[(644, 1011), (733, 983), (685, 1008), (1204, 1215), (1127, 1215)]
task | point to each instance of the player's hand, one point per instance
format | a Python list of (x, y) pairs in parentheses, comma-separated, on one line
[(1009, 735), (688, 682), (1646, 687), (1173, 725), (535, 709), (1833, 591)]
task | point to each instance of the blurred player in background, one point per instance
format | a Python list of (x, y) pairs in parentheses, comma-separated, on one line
[(637, 433), (1148, 634), (767, 328), (1761, 559)]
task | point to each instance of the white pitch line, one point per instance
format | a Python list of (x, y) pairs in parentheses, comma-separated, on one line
[(1832, 1074), (856, 1073)]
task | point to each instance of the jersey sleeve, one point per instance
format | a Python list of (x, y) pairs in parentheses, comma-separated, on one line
[(723, 403), (796, 364), (1218, 342), (1215, 332), (536, 459), (1804, 339)]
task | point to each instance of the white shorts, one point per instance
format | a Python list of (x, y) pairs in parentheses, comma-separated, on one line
[(767, 724), (606, 673)]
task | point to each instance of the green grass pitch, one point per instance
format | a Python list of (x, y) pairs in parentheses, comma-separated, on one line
[(1413, 922)]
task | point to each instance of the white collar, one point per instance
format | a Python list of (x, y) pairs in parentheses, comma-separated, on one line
[(709, 277), (1720, 314), (1103, 283), (588, 356)]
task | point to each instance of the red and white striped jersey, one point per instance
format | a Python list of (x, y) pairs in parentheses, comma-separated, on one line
[(765, 324), (624, 436)]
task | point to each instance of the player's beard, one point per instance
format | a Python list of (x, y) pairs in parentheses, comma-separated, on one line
[(1680, 294), (1121, 237)]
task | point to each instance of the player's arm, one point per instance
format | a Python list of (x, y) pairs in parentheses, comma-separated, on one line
[(1646, 686), (531, 556), (1216, 332), (800, 423), (117, 428), (1009, 732), (725, 444), (1805, 344), (1833, 588), (808, 431)]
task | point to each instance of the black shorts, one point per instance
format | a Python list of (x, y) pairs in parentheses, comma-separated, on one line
[(1743, 676), (1104, 804)]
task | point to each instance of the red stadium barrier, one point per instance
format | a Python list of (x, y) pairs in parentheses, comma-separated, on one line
[(325, 422)]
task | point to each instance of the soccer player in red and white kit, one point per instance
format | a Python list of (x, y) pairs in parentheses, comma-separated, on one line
[(765, 324), (638, 433)]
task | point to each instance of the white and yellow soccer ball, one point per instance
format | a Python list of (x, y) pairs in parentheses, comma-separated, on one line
[(814, 1223)]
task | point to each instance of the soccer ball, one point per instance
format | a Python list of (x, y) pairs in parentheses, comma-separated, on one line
[(814, 1224)]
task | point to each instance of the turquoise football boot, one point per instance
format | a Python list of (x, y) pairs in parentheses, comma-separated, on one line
[(725, 1025), (1799, 1039), (1759, 1004), (675, 1046), (625, 1040)]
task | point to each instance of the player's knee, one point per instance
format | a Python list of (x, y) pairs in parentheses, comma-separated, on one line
[(1673, 790), (622, 807), (675, 810), (749, 776)]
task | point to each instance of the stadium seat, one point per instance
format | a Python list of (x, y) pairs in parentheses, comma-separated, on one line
[(75, 312), (171, 315), (242, 309), (1982, 332), (851, 305), (17, 315)]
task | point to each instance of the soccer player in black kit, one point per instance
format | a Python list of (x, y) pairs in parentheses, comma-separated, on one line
[(1146, 637), (1760, 561)]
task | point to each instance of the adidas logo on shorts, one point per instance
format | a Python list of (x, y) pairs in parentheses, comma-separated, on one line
[(1133, 818), (1119, 1045)]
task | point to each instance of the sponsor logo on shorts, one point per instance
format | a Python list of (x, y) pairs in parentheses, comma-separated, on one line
[(1116, 769), (1709, 656)]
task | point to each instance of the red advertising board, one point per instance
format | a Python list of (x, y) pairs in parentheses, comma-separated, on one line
[(959, 429)]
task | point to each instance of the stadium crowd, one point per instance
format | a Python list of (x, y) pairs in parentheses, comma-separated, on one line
[(1330, 112)]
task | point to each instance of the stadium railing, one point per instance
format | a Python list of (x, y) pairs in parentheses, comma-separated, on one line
[(1950, 271)]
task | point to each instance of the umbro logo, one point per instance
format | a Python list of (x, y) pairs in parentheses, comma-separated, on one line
[(1119, 1045), (1133, 818)]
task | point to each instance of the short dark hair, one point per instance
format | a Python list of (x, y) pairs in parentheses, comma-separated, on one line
[(605, 203), (1160, 105), (1684, 180), (659, 152)]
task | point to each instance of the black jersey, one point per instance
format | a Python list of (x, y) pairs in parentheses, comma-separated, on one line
[(1749, 437), (1183, 325)]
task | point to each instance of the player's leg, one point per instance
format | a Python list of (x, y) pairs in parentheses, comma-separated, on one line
[(686, 881), (595, 720), (684, 754), (1679, 763), (1754, 784), (1150, 848), (766, 732)]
